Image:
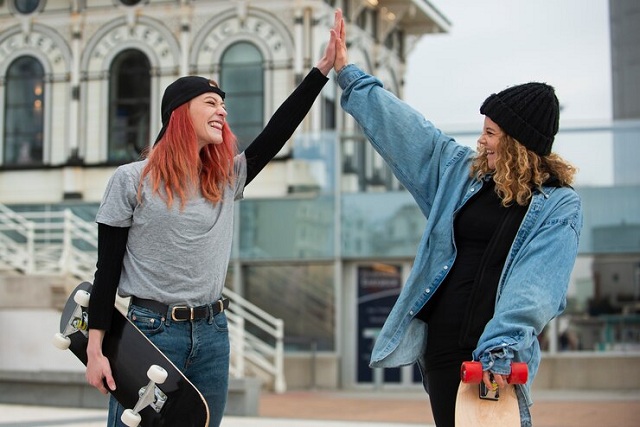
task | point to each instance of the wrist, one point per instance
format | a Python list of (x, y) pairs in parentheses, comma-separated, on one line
[(94, 344), (94, 351), (324, 67), (340, 68)]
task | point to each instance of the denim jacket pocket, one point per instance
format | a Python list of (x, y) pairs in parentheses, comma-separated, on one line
[(149, 322)]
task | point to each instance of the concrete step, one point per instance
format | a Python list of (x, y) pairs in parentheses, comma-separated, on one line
[(35, 291)]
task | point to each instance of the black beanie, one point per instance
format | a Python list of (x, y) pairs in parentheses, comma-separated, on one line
[(181, 91), (529, 113)]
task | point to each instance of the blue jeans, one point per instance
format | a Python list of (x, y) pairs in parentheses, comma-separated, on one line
[(199, 348)]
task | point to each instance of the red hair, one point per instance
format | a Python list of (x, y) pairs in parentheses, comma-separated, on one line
[(176, 164)]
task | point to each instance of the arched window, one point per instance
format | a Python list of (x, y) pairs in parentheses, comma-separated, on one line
[(24, 112), (242, 79), (129, 106), (26, 7)]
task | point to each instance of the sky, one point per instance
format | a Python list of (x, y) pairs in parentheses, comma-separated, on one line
[(494, 44)]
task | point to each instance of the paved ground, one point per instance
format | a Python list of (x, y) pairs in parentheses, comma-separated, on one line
[(552, 409), (359, 409)]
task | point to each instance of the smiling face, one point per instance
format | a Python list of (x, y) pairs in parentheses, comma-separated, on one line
[(208, 114), (489, 140)]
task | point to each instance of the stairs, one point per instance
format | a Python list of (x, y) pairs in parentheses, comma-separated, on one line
[(44, 255)]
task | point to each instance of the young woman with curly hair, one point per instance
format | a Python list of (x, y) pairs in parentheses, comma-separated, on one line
[(501, 238)]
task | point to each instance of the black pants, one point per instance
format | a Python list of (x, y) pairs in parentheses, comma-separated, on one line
[(442, 359), (443, 388)]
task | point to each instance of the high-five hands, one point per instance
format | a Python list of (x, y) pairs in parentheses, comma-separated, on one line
[(328, 59), (335, 54), (341, 42)]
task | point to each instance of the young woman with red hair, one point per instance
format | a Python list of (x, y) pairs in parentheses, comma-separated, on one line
[(165, 227)]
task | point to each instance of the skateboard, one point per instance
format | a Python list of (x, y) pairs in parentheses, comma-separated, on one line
[(149, 385), (478, 406)]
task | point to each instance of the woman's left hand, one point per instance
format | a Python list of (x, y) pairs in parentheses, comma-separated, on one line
[(498, 380)]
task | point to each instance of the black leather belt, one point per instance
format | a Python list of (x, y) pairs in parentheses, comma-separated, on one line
[(182, 313)]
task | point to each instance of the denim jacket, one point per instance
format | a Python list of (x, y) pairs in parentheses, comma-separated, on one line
[(436, 171)]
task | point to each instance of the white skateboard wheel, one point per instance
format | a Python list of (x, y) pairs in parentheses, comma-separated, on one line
[(157, 374), (82, 298), (130, 418), (61, 342)]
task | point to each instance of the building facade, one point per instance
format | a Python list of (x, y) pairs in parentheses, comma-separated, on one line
[(82, 81), (624, 17), (80, 90)]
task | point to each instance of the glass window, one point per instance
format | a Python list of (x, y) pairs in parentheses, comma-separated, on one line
[(354, 155), (302, 296), (130, 2), (242, 79), (328, 113), (287, 229), (361, 20), (26, 6), (329, 108), (129, 104), (24, 107), (380, 225), (346, 8)]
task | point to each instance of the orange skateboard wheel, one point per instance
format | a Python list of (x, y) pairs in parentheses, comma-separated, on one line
[(471, 372), (519, 373)]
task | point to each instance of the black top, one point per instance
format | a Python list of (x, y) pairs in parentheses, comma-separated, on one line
[(464, 301), (112, 241)]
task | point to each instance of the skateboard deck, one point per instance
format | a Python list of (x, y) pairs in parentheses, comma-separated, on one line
[(151, 388), (477, 406)]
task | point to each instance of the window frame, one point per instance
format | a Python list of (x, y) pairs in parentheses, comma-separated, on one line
[(140, 103), (37, 8), (36, 126), (236, 100)]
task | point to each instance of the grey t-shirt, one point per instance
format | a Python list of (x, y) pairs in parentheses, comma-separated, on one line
[(172, 255)]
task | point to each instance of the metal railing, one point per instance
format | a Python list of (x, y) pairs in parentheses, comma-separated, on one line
[(60, 242), (17, 237), (265, 354)]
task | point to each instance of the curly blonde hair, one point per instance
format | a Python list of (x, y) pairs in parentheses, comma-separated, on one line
[(518, 171)]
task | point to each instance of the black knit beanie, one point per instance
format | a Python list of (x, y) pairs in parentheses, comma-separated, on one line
[(181, 91), (529, 113)]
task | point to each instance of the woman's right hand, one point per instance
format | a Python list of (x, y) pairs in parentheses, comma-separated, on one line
[(98, 368), (341, 43)]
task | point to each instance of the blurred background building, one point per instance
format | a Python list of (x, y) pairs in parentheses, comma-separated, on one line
[(325, 236)]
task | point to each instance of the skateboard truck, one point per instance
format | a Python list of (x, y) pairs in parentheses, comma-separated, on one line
[(78, 321), (149, 395), (158, 400)]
